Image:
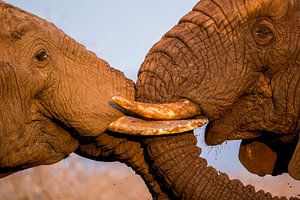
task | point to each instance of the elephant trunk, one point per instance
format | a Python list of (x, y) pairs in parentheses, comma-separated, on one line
[(107, 147), (177, 162)]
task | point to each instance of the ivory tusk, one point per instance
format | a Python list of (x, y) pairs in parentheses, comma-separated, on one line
[(181, 109), (134, 126)]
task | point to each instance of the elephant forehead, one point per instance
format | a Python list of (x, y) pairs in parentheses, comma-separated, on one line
[(16, 23), (274, 8), (245, 9), (12, 20)]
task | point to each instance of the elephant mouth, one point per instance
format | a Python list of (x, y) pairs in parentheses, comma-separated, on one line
[(154, 119), (218, 132), (261, 152)]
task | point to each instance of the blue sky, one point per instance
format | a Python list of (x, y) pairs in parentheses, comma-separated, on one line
[(119, 31), (122, 32)]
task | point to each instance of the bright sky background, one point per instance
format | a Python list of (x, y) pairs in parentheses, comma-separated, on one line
[(122, 32)]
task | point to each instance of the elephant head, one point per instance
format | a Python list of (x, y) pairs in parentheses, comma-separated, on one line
[(52, 92), (240, 62), (55, 99)]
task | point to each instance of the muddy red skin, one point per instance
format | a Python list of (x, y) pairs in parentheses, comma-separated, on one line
[(47, 112), (239, 61)]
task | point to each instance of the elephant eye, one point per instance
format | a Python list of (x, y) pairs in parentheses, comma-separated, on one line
[(42, 55), (263, 34)]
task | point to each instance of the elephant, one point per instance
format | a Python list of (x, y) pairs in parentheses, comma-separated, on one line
[(56, 99), (239, 61), (226, 65), (45, 104)]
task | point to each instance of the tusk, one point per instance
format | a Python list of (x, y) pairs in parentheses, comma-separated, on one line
[(181, 109), (139, 127)]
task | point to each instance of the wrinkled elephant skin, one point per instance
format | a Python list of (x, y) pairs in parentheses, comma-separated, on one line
[(240, 62), (236, 60), (52, 92)]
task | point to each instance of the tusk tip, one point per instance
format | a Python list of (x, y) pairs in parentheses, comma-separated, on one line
[(117, 98)]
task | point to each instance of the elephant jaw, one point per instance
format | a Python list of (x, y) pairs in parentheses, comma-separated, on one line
[(261, 152)]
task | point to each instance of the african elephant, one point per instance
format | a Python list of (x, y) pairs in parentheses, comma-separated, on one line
[(239, 61), (53, 91), (55, 99), (67, 106)]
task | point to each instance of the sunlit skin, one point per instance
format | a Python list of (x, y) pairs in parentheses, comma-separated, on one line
[(192, 61), (239, 61)]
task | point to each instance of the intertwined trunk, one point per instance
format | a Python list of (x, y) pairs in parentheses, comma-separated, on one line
[(107, 147), (178, 164)]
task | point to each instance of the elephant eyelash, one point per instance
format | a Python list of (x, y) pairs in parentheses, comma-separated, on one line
[(42, 55), (263, 33)]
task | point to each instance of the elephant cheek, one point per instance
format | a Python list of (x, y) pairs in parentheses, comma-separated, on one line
[(257, 157)]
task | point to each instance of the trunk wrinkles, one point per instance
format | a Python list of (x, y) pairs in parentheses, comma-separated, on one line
[(112, 148), (177, 162)]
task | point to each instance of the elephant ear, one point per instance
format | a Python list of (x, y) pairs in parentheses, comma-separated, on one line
[(294, 165)]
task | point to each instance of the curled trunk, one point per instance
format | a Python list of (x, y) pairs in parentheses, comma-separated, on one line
[(112, 148), (176, 160)]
